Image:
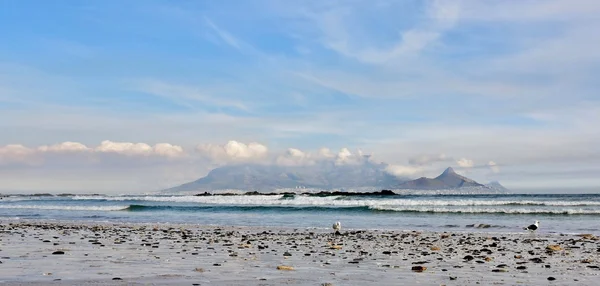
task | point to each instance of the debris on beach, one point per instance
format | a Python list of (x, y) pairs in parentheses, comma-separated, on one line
[(553, 247), (418, 268)]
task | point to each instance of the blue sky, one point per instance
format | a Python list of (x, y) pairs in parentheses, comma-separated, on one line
[(502, 90)]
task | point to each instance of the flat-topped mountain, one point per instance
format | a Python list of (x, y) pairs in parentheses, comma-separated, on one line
[(323, 176), (326, 176)]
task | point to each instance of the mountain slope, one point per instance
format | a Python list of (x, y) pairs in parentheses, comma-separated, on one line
[(447, 180), (497, 186)]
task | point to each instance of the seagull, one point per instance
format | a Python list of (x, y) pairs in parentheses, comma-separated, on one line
[(336, 227), (533, 227)]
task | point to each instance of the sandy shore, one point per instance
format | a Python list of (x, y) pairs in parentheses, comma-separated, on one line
[(135, 254)]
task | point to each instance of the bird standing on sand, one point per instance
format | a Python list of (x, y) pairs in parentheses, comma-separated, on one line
[(533, 227), (336, 227)]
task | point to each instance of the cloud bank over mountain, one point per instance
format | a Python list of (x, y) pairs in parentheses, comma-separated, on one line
[(143, 160)]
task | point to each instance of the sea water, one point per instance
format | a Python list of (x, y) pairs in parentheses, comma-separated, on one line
[(557, 213)]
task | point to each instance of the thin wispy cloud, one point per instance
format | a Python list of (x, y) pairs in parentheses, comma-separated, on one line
[(224, 35), (184, 94)]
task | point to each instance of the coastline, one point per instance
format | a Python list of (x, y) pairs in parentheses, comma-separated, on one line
[(187, 254)]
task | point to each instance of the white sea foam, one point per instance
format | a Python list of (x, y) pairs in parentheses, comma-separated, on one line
[(573, 211), (335, 201), (63, 207)]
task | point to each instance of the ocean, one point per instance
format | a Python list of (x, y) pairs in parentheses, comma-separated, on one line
[(557, 213)]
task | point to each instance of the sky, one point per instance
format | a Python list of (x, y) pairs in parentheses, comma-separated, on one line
[(136, 96)]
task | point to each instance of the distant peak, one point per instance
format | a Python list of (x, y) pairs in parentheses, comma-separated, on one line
[(449, 171)]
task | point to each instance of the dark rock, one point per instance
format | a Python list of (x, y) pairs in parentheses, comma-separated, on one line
[(287, 254), (522, 267), (536, 260), (418, 268), (468, 258), (58, 252), (551, 278), (117, 278)]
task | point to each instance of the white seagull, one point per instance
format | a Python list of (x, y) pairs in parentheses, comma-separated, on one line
[(533, 227), (336, 227)]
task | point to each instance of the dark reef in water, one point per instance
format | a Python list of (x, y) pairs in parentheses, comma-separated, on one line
[(291, 194)]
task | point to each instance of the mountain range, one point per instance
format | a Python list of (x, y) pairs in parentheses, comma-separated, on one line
[(323, 176)]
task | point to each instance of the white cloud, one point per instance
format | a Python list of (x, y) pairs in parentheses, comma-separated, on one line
[(345, 157), (64, 147), (325, 153), (403, 171), (493, 167), (140, 149), (168, 150), (15, 153), (234, 151), (465, 163), (337, 25), (295, 157), (125, 148), (19, 154)]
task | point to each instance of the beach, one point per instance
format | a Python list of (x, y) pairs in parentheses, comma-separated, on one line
[(91, 253)]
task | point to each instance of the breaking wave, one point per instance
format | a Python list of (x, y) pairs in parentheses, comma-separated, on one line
[(67, 208), (389, 209), (337, 201)]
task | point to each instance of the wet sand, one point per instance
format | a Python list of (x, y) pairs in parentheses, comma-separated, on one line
[(68, 253)]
